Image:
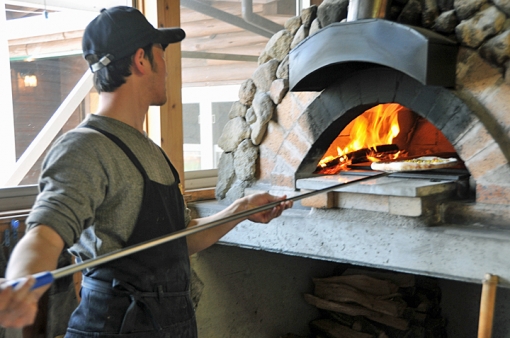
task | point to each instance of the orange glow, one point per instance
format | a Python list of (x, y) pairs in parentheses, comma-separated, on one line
[(378, 157), (376, 126)]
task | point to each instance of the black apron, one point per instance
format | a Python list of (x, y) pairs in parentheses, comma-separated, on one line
[(145, 294)]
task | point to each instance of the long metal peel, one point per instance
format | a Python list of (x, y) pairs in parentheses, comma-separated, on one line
[(47, 277)]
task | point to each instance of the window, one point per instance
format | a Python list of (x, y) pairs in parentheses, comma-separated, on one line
[(51, 90), (205, 112), (220, 52)]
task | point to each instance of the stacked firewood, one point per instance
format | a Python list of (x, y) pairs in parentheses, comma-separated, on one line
[(365, 304)]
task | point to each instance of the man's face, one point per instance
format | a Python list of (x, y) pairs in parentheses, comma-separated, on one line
[(158, 81)]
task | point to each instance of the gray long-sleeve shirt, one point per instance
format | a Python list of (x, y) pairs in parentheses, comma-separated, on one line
[(90, 191)]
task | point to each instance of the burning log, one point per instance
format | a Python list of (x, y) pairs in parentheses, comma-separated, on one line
[(381, 305), (358, 156)]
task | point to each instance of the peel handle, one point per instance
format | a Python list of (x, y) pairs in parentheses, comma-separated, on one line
[(41, 279)]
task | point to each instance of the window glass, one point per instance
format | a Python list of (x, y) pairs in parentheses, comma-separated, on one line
[(43, 66), (191, 116), (38, 89), (220, 52), (205, 112)]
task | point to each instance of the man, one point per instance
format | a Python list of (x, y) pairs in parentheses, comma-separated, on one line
[(105, 186)]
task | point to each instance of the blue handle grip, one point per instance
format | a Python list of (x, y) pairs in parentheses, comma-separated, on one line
[(41, 279)]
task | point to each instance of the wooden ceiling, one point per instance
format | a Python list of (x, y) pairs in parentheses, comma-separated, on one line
[(19, 12), (209, 50)]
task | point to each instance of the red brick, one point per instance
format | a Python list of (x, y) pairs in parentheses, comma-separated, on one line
[(474, 74), (282, 180), (288, 154), (320, 201), (473, 141), (305, 98), (274, 137), (493, 194), (266, 163), (498, 103), (485, 161), (288, 111), (299, 142)]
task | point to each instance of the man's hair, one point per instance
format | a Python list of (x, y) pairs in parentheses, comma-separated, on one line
[(111, 77)]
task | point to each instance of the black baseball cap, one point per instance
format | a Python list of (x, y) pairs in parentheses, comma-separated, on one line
[(119, 31)]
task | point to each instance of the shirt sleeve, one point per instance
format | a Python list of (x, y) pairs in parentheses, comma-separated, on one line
[(72, 185)]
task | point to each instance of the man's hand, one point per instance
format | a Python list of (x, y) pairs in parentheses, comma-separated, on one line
[(257, 200), (18, 305), (202, 240)]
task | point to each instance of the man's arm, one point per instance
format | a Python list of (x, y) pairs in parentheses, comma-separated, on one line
[(202, 240), (37, 251)]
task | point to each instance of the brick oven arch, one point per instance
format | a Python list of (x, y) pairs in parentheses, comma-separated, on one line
[(350, 96)]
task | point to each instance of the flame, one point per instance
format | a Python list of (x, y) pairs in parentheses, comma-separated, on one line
[(376, 126), (378, 157)]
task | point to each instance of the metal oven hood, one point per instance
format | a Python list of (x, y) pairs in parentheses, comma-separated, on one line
[(340, 48)]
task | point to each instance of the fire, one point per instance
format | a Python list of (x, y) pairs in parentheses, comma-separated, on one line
[(378, 157), (375, 127)]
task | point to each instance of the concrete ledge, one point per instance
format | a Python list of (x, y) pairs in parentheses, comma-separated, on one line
[(464, 253), (386, 186), (396, 196)]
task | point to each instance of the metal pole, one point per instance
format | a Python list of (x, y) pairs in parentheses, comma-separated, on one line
[(46, 277), (65, 271)]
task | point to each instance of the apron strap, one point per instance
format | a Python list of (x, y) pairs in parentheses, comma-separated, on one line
[(137, 301), (119, 288)]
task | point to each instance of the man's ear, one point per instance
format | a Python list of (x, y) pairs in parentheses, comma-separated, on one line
[(140, 63)]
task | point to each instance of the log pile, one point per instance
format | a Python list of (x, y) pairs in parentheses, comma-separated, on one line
[(366, 304)]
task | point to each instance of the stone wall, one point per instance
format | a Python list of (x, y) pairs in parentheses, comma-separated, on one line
[(265, 138)]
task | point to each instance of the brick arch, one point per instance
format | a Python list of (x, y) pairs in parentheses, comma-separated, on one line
[(321, 121)]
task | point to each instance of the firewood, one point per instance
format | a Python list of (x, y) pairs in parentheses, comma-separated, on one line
[(364, 283), (435, 327), (412, 332), (360, 156), (401, 279), (364, 325), (341, 318), (356, 310), (414, 316), (348, 294), (335, 330), (424, 301)]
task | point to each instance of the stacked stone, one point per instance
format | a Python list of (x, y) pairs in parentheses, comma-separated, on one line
[(248, 119), (480, 26), (258, 98)]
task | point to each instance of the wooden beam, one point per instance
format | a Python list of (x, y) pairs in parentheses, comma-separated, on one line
[(45, 48), (487, 303), (198, 76), (171, 113), (217, 43), (47, 38), (231, 7)]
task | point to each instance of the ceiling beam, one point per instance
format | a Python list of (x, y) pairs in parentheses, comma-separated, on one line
[(60, 5)]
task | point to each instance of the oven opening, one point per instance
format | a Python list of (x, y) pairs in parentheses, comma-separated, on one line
[(384, 133)]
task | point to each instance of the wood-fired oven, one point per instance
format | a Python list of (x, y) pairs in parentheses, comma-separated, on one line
[(447, 78), (454, 99)]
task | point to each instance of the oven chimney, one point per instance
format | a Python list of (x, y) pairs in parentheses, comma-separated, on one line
[(368, 39), (367, 9)]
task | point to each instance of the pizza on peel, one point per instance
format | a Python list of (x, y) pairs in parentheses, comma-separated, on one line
[(415, 164)]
